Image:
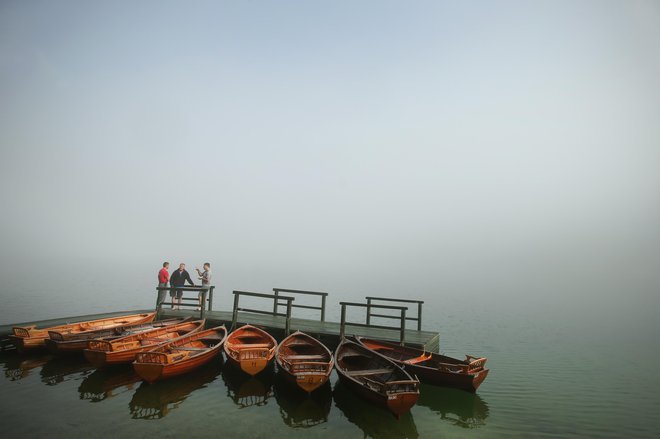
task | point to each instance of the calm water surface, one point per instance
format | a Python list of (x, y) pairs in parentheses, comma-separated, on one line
[(553, 374)]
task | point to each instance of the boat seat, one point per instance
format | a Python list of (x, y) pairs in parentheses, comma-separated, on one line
[(304, 357), (188, 349), (250, 345), (367, 372)]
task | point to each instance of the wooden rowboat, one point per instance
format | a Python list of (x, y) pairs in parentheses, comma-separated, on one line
[(124, 349), (61, 342), (433, 368), (376, 378), (250, 348), (304, 361), (181, 355), (30, 337)]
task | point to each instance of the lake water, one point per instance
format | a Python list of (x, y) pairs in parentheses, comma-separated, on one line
[(557, 369)]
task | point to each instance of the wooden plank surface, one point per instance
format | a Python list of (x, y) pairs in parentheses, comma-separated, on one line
[(427, 340)]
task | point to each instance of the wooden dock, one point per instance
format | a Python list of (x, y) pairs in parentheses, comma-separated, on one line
[(282, 323)]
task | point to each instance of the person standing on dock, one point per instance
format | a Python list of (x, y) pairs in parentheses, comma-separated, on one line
[(163, 279), (178, 279), (205, 277)]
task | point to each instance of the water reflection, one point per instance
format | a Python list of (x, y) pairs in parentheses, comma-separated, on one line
[(300, 410), (17, 366), (372, 420), (156, 400), (60, 369), (245, 390), (108, 382), (460, 408)]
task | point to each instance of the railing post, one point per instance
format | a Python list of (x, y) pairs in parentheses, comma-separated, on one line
[(275, 303), (343, 321), (323, 308), (403, 326), (234, 316), (203, 307), (211, 298), (287, 324), (368, 311), (419, 316)]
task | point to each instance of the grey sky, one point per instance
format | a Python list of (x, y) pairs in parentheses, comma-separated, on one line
[(501, 148)]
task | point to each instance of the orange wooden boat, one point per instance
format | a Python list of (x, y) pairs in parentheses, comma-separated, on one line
[(376, 378), (304, 361), (124, 349), (60, 342), (181, 355), (30, 337), (250, 348), (433, 368)]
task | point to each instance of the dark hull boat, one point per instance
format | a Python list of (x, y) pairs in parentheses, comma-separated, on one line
[(304, 361), (124, 349), (433, 368), (62, 342), (251, 349), (376, 378), (30, 337), (181, 355)]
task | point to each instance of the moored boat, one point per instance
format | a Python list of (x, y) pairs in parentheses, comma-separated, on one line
[(433, 368), (376, 378), (181, 355), (30, 337), (250, 348), (124, 349), (63, 342), (304, 361)]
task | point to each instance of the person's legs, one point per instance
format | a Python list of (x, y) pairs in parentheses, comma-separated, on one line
[(173, 297), (179, 295)]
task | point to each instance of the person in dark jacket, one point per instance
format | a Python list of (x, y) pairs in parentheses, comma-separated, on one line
[(178, 279)]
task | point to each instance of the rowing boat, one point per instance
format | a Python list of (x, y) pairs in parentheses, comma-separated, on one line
[(30, 337), (250, 348), (304, 361), (433, 368), (62, 342), (376, 378), (124, 349), (181, 355)]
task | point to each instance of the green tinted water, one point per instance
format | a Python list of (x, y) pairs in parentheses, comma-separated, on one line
[(551, 376)]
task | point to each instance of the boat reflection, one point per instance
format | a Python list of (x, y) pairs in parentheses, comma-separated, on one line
[(300, 410), (460, 408), (156, 400), (372, 420), (108, 382), (246, 390), (60, 369), (18, 366)]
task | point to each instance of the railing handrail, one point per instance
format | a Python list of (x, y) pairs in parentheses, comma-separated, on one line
[(186, 288), (401, 318), (314, 293), (370, 305), (287, 316), (321, 308), (388, 299)]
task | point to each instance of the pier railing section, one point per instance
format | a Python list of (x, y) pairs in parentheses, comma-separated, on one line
[(275, 298), (321, 295), (401, 317), (370, 314), (189, 302)]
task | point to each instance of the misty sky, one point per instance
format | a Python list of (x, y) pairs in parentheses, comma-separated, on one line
[(501, 149)]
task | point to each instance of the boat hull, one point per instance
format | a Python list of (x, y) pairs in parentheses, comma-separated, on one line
[(250, 349), (151, 372), (467, 382)]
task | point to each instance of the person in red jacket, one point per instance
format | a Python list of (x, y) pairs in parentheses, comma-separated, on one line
[(163, 279)]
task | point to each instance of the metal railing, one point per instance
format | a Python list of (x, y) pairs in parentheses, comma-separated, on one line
[(370, 314), (402, 319), (207, 293), (277, 304), (237, 308)]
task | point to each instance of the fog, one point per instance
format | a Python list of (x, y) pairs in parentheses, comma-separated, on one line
[(503, 151)]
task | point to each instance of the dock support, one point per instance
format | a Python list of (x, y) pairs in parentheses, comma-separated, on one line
[(234, 315), (342, 323)]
